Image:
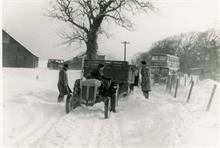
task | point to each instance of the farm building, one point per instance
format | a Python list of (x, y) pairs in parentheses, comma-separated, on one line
[(14, 54), (76, 62)]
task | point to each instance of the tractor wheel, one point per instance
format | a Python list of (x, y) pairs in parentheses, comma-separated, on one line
[(68, 104), (74, 101), (124, 89), (107, 107)]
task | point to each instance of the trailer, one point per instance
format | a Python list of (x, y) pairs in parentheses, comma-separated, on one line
[(120, 72)]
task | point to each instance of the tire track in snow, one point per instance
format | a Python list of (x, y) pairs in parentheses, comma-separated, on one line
[(39, 126), (96, 132), (116, 133), (105, 134), (40, 132)]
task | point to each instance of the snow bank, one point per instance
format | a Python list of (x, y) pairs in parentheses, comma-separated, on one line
[(203, 129), (34, 119), (29, 102)]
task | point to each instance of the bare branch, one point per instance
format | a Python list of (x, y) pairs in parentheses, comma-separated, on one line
[(86, 16)]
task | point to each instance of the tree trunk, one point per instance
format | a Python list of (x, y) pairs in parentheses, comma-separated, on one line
[(92, 46)]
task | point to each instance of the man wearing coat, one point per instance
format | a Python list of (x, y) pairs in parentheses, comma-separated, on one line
[(145, 79), (98, 73), (104, 90), (63, 86)]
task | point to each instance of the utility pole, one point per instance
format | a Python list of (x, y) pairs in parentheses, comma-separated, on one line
[(125, 43)]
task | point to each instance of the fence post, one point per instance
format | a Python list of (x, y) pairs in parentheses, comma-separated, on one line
[(171, 83), (197, 79), (184, 80), (190, 91), (168, 82), (177, 85), (191, 80), (211, 97)]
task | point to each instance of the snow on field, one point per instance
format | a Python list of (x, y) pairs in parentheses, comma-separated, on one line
[(34, 119)]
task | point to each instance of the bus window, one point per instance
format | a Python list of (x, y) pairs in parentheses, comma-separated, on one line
[(163, 58), (155, 58)]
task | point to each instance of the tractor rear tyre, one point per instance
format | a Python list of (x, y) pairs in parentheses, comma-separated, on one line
[(68, 104), (114, 104)]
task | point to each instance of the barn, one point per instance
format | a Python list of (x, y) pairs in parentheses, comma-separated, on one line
[(14, 54)]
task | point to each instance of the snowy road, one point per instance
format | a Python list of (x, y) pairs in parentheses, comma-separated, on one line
[(33, 119)]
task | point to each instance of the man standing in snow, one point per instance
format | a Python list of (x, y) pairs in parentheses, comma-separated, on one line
[(63, 86), (145, 79)]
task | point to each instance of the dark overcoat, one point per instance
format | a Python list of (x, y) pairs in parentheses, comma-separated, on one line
[(63, 82), (145, 79), (98, 74)]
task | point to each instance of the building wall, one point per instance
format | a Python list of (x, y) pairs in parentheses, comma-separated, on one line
[(16, 55)]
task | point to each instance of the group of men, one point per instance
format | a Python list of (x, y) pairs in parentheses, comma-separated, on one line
[(98, 74)]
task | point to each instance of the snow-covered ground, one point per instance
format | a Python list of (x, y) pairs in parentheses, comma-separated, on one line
[(33, 118)]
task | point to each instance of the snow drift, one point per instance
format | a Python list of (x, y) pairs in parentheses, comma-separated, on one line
[(34, 119)]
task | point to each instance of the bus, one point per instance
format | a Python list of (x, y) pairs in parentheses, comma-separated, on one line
[(163, 65)]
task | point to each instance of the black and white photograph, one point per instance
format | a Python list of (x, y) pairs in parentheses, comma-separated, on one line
[(110, 74)]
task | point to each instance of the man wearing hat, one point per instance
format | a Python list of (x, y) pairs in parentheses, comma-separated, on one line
[(63, 86), (98, 73), (105, 82), (145, 79)]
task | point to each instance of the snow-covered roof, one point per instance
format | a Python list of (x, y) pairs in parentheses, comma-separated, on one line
[(6, 33)]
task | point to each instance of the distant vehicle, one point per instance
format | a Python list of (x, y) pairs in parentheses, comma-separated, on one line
[(163, 65), (55, 63)]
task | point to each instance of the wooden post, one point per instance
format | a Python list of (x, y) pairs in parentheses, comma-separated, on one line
[(125, 43), (211, 97), (190, 91), (171, 84), (177, 84), (167, 85), (191, 80), (184, 80)]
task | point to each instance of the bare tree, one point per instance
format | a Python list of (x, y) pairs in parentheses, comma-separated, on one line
[(208, 44), (87, 16), (187, 51), (195, 49), (168, 45)]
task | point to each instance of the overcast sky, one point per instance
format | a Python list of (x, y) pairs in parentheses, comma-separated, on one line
[(26, 21)]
